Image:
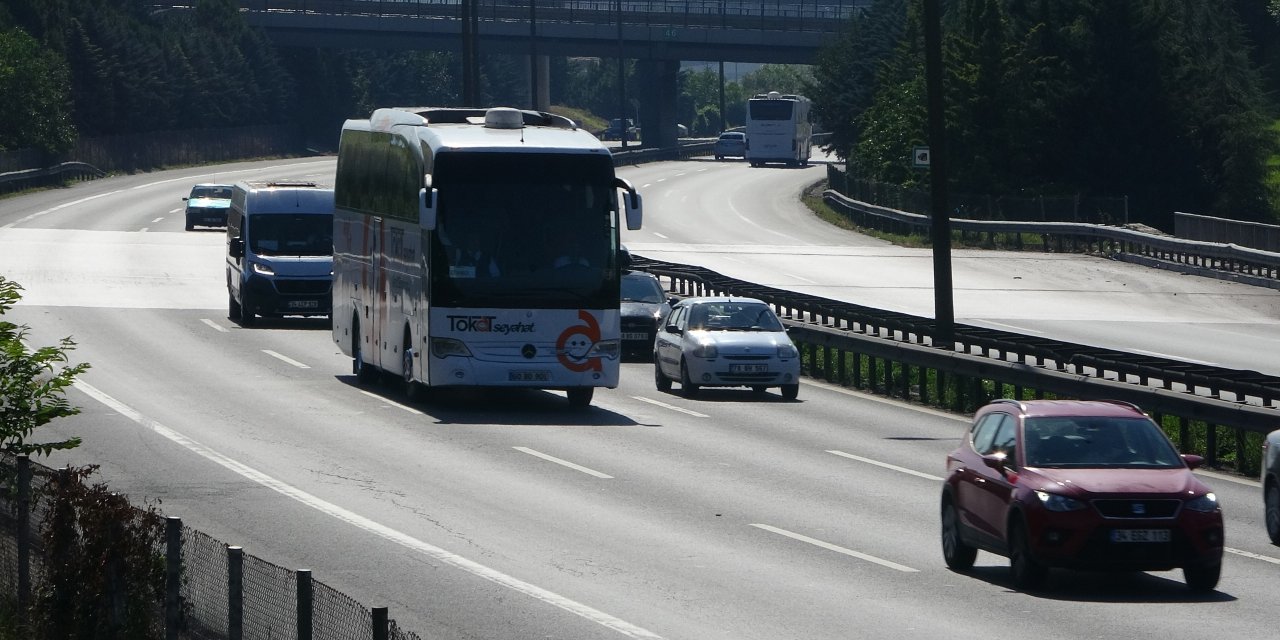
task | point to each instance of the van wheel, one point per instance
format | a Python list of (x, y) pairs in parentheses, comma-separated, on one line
[(365, 374), (581, 396), (233, 309), (246, 312)]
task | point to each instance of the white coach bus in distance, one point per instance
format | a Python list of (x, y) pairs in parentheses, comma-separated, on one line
[(479, 247), (778, 129)]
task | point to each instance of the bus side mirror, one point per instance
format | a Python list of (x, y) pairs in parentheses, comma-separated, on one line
[(630, 203), (427, 208)]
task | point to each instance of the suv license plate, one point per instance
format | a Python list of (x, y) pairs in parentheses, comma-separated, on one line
[(528, 376), (1140, 535)]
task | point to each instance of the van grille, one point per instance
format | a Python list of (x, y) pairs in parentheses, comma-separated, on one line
[(303, 287)]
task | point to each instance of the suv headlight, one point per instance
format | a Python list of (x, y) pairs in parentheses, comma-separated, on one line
[(1207, 503), (1056, 502)]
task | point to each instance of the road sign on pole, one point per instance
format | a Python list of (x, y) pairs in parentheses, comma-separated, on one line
[(920, 157)]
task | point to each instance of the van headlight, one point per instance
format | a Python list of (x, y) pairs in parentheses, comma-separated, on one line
[(263, 269)]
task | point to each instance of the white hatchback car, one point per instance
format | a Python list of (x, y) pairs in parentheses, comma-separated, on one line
[(725, 342)]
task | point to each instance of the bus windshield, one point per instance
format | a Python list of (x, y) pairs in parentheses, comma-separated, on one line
[(771, 109), (281, 234), (525, 230)]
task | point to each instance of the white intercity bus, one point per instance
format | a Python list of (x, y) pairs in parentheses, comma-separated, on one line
[(778, 129), (479, 247)]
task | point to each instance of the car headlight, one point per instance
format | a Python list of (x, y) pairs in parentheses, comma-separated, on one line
[(263, 269), (788, 351), (1207, 503), (1056, 502), (705, 350)]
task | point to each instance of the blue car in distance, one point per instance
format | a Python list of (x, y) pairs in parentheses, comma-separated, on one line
[(207, 205)]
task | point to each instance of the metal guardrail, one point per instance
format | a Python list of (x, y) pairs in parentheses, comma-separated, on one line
[(27, 178), (1229, 261), (1247, 401)]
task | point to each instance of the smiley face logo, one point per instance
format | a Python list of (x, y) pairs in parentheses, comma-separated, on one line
[(576, 341)]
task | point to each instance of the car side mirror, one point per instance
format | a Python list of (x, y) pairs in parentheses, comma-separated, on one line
[(671, 328), (996, 461), (184, 198), (1193, 461)]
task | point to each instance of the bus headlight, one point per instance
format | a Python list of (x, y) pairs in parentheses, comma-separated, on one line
[(445, 347)]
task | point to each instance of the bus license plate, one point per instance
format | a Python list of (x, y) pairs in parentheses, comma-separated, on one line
[(748, 368), (1140, 535), (303, 304), (528, 376)]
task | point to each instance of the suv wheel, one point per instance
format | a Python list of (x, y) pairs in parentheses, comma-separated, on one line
[(1027, 572), (958, 555), (1203, 577)]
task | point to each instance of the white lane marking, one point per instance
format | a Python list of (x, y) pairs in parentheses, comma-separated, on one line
[(380, 530), (61, 206), (161, 218), (289, 165), (660, 235), (391, 402), (671, 407), (1173, 357), (539, 454), (1250, 554), (838, 549), (173, 211), (1015, 328), (216, 326), (894, 402), (284, 358), (792, 275), (886, 465), (144, 229)]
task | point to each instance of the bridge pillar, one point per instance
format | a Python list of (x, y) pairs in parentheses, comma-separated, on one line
[(660, 80), (537, 70)]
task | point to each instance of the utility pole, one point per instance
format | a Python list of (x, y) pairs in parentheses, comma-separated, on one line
[(622, 84), (940, 229)]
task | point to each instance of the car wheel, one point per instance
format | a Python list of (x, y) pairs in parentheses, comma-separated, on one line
[(660, 379), (233, 309), (1272, 517), (1027, 572), (958, 555), (1203, 577), (791, 391), (581, 396), (365, 374), (687, 387)]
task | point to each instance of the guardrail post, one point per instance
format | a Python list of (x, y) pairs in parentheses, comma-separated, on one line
[(305, 603), (235, 593), (381, 625), (1211, 445), (172, 577)]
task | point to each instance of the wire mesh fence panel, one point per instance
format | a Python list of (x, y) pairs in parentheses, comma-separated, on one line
[(339, 617), (270, 601), (204, 584), (396, 633)]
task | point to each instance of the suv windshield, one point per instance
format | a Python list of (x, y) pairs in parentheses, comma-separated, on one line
[(1097, 442)]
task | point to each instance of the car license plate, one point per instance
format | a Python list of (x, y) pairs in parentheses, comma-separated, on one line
[(748, 368), (528, 376), (1140, 535), (303, 304), (635, 336)]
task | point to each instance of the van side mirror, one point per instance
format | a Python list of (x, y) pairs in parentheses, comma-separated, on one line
[(427, 208), (235, 247)]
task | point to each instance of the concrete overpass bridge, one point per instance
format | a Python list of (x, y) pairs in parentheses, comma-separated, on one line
[(658, 34)]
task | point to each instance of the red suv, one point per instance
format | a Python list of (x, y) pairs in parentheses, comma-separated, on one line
[(1093, 485)]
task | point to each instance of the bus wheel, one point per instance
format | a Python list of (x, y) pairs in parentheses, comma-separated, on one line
[(365, 374), (412, 389), (581, 396)]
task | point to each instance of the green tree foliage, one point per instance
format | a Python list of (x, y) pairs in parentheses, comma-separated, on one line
[(32, 384), (1158, 100), (33, 95)]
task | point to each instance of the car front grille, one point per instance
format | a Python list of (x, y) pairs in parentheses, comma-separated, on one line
[(1137, 508)]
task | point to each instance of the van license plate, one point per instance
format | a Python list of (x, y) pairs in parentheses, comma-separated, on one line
[(1140, 535), (303, 304)]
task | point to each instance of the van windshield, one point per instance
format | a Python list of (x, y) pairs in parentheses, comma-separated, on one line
[(293, 234)]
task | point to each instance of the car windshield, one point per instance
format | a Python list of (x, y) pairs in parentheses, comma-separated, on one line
[(733, 316), (1081, 442), (216, 193), (641, 289)]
